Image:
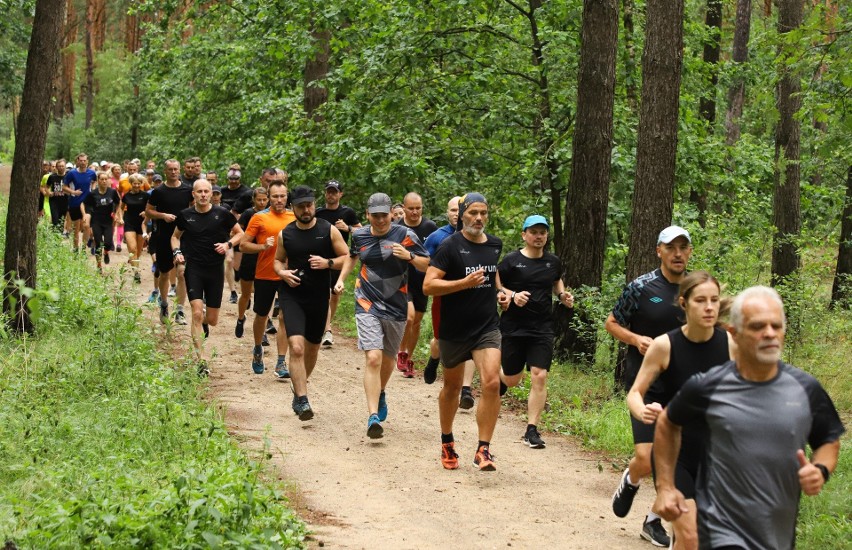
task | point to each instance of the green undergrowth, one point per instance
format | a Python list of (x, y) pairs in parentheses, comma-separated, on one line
[(107, 442)]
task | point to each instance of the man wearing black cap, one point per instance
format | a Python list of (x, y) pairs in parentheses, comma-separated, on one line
[(530, 277), (345, 220), (306, 250), (381, 303), (464, 273), (647, 308)]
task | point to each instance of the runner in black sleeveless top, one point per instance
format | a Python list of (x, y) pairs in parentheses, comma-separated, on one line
[(248, 261)]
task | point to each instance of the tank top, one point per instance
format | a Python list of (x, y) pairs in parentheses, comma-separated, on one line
[(300, 244), (688, 358)]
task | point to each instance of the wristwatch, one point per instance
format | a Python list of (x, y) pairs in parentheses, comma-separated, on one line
[(230, 244), (825, 473), (330, 263)]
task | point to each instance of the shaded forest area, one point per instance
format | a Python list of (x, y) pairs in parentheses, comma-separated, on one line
[(613, 117)]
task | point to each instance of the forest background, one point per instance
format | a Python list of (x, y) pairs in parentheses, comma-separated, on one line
[(540, 105)]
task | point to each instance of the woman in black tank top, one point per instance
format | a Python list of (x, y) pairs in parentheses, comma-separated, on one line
[(674, 357)]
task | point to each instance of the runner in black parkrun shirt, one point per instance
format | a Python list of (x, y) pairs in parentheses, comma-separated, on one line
[(202, 235), (100, 209)]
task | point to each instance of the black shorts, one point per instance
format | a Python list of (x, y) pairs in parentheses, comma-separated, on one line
[(454, 354), (163, 246), (264, 296), (75, 212), (204, 283), (529, 351), (247, 267), (333, 275), (102, 234), (304, 318), (416, 296), (644, 433), (133, 226)]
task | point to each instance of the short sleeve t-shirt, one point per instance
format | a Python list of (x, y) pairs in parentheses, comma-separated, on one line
[(263, 225), (434, 240), (170, 200), (754, 430), (134, 206), (54, 183), (300, 245), (425, 228), (382, 286), (201, 231), (471, 312), (81, 181), (344, 213), (102, 206), (230, 196), (536, 276)]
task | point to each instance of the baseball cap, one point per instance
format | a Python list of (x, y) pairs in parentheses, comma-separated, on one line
[(217, 189), (535, 219), (150, 171), (464, 202), (334, 184), (379, 203), (671, 233), (301, 194), (158, 177), (69, 165)]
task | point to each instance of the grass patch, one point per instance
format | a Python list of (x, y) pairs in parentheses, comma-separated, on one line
[(106, 441)]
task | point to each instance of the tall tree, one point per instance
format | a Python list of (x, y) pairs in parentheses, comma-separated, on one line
[(841, 290), (20, 253), (656, 150), (88, 88), (629, 9), (736, 93), (588, 189), (316, 70), (68, 69), (786, 197)]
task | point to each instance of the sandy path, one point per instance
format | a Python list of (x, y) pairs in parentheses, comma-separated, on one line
[(393, 493)]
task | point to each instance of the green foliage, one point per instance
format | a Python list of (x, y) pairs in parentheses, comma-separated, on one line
[(104, 441)]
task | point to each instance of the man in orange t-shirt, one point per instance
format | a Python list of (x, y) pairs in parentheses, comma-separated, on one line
[(261, 238)]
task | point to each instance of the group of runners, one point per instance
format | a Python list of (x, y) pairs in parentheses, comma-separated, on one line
[(731, 419)]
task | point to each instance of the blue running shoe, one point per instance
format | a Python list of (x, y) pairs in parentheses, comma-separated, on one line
[(383, 407), (257, 360), (374, 427), (281, 371), (154, 297)]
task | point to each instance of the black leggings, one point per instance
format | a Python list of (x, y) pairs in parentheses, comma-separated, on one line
[(102, 233)]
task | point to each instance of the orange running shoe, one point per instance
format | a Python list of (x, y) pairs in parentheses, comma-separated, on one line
[(449, 458), (483, 460)]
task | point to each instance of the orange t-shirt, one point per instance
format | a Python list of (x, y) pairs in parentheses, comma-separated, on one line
[(263, 225)]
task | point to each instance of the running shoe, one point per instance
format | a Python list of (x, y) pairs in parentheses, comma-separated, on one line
[(64, 234), (533, 439), (466, 400), (402, 361), (430, 373), (154, 297), (449, 458), (137, 278), (118, 248), (374, 427), (654, 532), (281, 371), (383, 407), (203, 369), (257, 360), (264, 341), (106, 258), (327, 339), (483, 460), (180, 318), (503, 388), (90, 242), (234, 297), (172, 291), (409, 370), (164, 313), (270, 327), (206, 328), (622, 499), (303, 408), (240, 328)]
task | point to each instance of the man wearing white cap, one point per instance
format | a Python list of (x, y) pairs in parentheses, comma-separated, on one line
[(646, 309)]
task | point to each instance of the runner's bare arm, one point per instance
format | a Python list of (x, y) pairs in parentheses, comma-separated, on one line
[(348, 265), (436, 285), (670, 503), (280, 261), (655, 362), (565, 298), (627, 336), (179, 259)]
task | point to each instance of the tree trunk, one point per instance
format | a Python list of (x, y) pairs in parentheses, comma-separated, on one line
[(64, 105), (653, 193), (707, 103), (21, 219), (588, 190), (786, 208), (316, 70), (89, 86), (99, 25), (736, 94), (841, 291), (629, 53)]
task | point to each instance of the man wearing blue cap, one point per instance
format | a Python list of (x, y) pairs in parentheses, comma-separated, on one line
[(463, 273), (646, 309), (530, 276)]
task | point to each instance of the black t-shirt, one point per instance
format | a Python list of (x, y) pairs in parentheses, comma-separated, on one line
[(471, 312), (535, 275), (230, 196), (135, 203), (423, 230), (201, 231), (244, 201), (102, 206), (300, 244), (54, 183), (344, 213), (245, 218), (186, 180), (170, 200)]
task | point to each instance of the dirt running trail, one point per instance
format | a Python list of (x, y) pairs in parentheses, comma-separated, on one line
[(393, 493)]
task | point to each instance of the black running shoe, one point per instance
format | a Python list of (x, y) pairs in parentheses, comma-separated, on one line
[(503, 388), (106, 258), (164, 313), (622, 499), (264, 341), (466, 401), (234, 297), (533, 439), (303, 408), (206, 328), (240, 328), (270, 327), (654, 532), (430, 373)]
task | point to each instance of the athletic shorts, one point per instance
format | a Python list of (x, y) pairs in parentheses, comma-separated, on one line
[(416, 297), (529, 351), (102, 235), (75, 212), (204, 283), (644, 433), (134, 226), (305, 318), (247, 267), (163, 246), (377, 333), (685, 475), (264, 296), (454, 354)]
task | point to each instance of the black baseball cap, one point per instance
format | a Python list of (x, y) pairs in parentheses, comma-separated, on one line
[(301, 194), (334, 184)]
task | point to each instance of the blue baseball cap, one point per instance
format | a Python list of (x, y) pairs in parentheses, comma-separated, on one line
[(535, 219)]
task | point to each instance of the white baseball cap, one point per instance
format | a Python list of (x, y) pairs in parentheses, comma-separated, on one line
[(671, 233)]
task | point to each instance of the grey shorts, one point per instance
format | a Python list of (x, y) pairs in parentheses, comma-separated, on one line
[(377, 333), (456, 353)]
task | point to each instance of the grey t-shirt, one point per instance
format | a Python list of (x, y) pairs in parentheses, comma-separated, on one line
[(747, 489)]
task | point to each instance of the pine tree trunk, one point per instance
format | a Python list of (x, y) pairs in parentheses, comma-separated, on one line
[(89, 86), (316, 70), (841, 290), (587, 196), (786, 198), (64, 105), (653, 193), (20, 254), (736, 94), (707, 103)]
